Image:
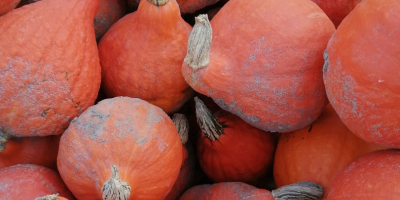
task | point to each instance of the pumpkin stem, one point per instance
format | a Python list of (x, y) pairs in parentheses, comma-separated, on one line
[(199, 43), (48, 197), (3, 140), (209, 125), (302, 190), (182, 125), (158, 2), (115, 188)]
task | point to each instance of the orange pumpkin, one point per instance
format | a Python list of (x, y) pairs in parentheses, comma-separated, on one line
[(31, 150), (230, 149), (120, 146), (142, 54), (7, 5), (374, 176), (108, 12), (265, 67), (337, 10), (361, 72), (49, 66), (318, 152), (30, 182), (185, 6)]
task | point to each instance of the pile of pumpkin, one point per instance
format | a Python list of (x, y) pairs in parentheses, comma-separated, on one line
[(154, 100)]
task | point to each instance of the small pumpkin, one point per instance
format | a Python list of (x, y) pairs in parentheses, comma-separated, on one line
[(7, 5), (269, 72), (241, 191), (49, 66), (31, 150), (142, 54), (318, 152), (29, 181), (230, 149), (108, 12), (121, 148), (361, 72), (373, 176), (337, 10), (185, 6)]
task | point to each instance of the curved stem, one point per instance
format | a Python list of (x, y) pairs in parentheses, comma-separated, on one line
[(48, 197), (210, 126), (182, 125), (199, 43), (299, 191), (115, 188), (158, 2), (3, 140)]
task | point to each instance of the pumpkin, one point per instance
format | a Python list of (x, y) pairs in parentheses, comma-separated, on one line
[(373, 176), (269, 72), (31, 150), (318, 152), (7, 5), (49, 66), (121, 148), (185, 6), (108, 12), (230, 149), (142, 54), (337, 10), (242, 191), (29, 181), (361, 72)]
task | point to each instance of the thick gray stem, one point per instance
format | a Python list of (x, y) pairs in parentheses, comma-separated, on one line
[(199, 43), (210, 126), (3, 140), (182, 125), (48, 197), (158, 2), (299, 191), (115, 188)]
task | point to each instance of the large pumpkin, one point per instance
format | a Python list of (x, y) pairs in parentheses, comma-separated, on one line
[(318, 152), (230, 149), (262, 60), (49, 66), (7, 5), (121, 146), (337, 10), (361, 72), (30, 182), (142, 54), (374, 176)]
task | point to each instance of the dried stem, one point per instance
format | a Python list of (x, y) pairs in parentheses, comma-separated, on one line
[(115, 188), (210, 126), (48, 197), (3, 140), (158, 2), (299, 191), (182, 125)]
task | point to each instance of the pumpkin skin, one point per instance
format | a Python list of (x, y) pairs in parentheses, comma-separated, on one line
[(31, 150), (123, 132), (150, 68), (240, 153), (319, 152), (185, 6), (7, 5), (49, 73), (366, 96), (108, 12), (274, 87), (337, 10), (373, 176), (30, 182)]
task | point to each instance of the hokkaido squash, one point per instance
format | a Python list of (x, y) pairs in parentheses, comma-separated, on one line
[(142, 54), (7, 5), (31, 150), (121, 148), (362, 69), (374, 176), (318, 152), (49, 66), (108, 12), (265, 67), (242, 191), (185, 6), (337, 10), (29, 181), (230, 149)]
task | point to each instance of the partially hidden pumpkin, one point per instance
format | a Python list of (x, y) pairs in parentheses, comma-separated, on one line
[(31, 150), (121, 148), (265, 67), (337, 10), (362, 69), (231, 150), (373, 176), (29, 181), (49, 66), (7, 5), (185, 6), (142, 54), (108, 12), (318, 152)]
